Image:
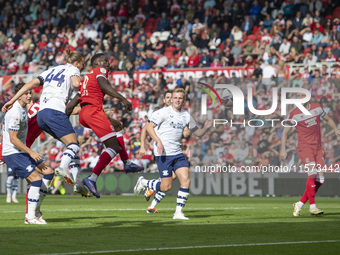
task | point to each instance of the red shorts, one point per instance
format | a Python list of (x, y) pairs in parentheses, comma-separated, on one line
[(33, 133), (311, 155), (1, 158), (95, 118)]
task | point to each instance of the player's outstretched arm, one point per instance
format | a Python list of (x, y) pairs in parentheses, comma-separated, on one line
[(107, 89), (202, 131), (73, 103), (150, 128), (13, 136), (28, 86), (283, 152), (332, 124)]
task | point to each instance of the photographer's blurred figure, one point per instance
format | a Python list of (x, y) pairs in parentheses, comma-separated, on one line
[(57, 186)]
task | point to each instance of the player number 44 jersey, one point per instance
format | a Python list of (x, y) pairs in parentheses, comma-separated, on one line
[(57, 87), (89, 88)]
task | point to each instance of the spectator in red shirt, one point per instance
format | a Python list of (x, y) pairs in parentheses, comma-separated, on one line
[(330, 57), (193, 59), (121, 14)]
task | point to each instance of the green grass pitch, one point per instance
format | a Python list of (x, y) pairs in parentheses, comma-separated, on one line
[(217, 225)]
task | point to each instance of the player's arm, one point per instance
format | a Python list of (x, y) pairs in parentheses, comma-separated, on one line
[(36, 82), (75, 80), (202, 131), (73, 103), (186, 132), (142, 139), (13, 135), (150, 128), (332, 124), (283, 152), (107, 89)]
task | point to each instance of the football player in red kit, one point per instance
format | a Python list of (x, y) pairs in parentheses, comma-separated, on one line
[(93, 88), (309, 150)]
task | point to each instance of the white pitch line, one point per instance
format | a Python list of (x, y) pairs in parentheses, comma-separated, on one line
[(130, 209), (194, 247)]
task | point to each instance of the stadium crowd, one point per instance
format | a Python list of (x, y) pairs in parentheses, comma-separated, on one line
[(263, 35)]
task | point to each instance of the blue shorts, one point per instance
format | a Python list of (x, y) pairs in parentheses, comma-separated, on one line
[(21, 164), (167, 164), (55, 123)]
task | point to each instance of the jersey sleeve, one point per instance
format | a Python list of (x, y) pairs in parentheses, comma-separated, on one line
[(13, 121), (43, 75), (74, 71), (192, 125), (158, 117), (323, 113), (101, 72)]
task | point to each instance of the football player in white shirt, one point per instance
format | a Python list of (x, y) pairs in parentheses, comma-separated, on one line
[(58, 83), (170, 122), (24, 162), (167, 98)]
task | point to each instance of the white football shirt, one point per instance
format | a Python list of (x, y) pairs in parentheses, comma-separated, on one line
[(169, 128), (57, 87), (16, 119)]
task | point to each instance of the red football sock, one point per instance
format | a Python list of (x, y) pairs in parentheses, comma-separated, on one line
[(311, 186), (105, 158), (122, 153), (28, 189)]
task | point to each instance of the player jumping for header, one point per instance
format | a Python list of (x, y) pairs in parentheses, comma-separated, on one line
[(93, 88)]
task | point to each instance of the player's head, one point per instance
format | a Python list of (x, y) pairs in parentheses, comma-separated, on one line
[(301, 95), (178, 98), (100, 59), (26, 97), (75, 58), (167, 98)]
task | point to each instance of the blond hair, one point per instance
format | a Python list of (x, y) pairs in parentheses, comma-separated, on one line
[(73, 56), (179, 90)]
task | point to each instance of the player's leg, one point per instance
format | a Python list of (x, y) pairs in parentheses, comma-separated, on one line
[(183, 193), (165, 168), (33, 198), (320, 162), (75, 170), (10, 178), (59, 126), (70, 153), (26, 196), (112, 147), (163, 184), (158, 196), (157, 199), (128, 165), (15, 189), (48, 174), (308, 158)]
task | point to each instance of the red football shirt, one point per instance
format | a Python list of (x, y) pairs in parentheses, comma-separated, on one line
[(89, 88), (33, 128), (308, 126)]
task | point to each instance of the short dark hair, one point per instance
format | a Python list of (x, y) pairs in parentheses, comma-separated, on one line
[(169, 91), (18, 87), (95, 57)]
